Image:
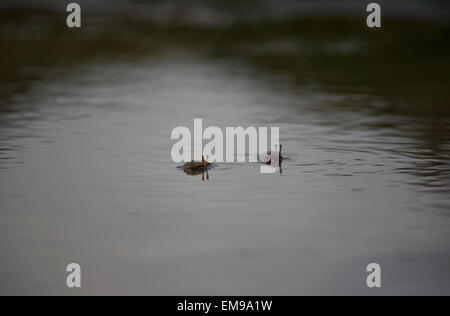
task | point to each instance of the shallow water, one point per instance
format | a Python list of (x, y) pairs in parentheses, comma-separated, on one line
[(86, 176)]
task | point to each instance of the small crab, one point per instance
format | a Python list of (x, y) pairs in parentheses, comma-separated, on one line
[(194, 168), (273, 157)]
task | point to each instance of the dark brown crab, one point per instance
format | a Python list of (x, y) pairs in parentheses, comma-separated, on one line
[(194, 168)]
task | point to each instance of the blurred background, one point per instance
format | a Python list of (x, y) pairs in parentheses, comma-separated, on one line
[(85, 168)]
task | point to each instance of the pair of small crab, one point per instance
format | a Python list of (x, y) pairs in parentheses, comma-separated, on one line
[(195, 168)]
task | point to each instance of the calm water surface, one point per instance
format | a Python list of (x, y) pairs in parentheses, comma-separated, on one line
[(86, 176)]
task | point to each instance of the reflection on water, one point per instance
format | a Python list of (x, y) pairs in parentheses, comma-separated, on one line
[(197, 172), (86, 174)]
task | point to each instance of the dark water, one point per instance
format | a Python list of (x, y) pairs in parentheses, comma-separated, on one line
[(86, 174)]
